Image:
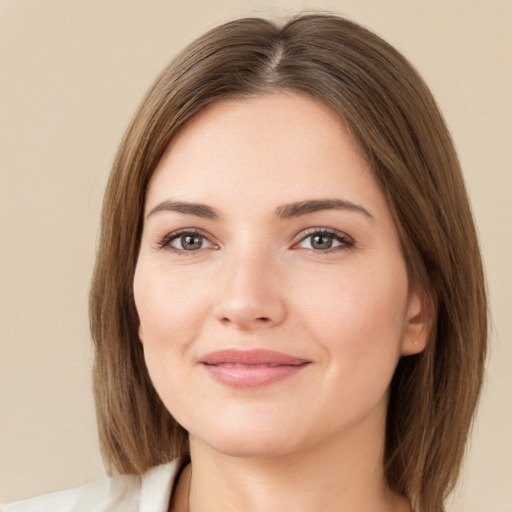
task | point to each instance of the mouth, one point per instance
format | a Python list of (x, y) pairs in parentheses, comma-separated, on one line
[(251, 368)]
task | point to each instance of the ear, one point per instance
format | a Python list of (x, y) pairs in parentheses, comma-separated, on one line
[(140, 334), (418, 323)]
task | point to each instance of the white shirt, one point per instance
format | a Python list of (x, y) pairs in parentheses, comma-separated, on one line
[(150, 492)]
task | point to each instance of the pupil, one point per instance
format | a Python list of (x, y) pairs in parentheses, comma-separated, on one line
[(322, 242), (190, 242)]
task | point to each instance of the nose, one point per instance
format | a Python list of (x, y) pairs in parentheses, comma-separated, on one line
[(250, 293)]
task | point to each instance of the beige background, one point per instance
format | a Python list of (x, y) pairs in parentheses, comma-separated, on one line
[(71, 75)]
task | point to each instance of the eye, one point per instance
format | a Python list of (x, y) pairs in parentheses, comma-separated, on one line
[(185, 241), (189, 242), (325, 240)]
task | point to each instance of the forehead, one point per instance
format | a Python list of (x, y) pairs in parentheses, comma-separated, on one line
[(268, 147)]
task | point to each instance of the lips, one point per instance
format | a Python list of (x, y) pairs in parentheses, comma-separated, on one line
[(251, 368)]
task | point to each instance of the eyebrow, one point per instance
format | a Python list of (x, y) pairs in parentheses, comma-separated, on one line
[(283, 212), (287, 211), (197, 209)]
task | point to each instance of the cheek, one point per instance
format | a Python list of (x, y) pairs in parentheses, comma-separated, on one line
[(170, 313), (169, 308), (358, 320)]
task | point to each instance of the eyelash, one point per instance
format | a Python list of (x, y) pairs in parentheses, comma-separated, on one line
[(344, 240), (165, 243)]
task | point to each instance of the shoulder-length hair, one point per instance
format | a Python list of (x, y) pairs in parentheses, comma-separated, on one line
[(395, 120)]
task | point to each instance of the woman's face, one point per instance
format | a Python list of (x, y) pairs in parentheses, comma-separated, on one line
[(270, 285)]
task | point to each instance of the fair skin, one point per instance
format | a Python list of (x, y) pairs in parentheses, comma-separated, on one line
[(292, 250)]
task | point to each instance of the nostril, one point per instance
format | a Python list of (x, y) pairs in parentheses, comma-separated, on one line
[(259, 321)]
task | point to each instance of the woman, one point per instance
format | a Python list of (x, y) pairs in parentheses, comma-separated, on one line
[(288, 301)]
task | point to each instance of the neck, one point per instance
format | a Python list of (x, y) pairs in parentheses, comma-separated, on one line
[(342, 475)]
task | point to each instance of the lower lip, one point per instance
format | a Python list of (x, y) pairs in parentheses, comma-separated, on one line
[(252, 376)]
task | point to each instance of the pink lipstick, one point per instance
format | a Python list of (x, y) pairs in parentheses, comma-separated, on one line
[(251, 368)]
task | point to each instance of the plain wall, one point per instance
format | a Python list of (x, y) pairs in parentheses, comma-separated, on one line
[(71, 75)]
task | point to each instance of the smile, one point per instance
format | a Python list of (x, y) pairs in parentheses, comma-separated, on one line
[(251, 368)]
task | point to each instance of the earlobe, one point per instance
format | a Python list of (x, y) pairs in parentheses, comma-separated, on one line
[(418, 323)]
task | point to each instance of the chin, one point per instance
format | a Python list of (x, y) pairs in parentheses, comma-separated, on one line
[(248, 439)]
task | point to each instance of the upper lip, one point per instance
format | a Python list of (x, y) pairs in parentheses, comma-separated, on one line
[(254, 357)]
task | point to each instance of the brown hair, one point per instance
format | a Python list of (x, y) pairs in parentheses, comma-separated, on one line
[(394, 117)]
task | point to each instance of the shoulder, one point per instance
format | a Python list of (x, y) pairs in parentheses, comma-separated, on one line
[(149, 492)]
